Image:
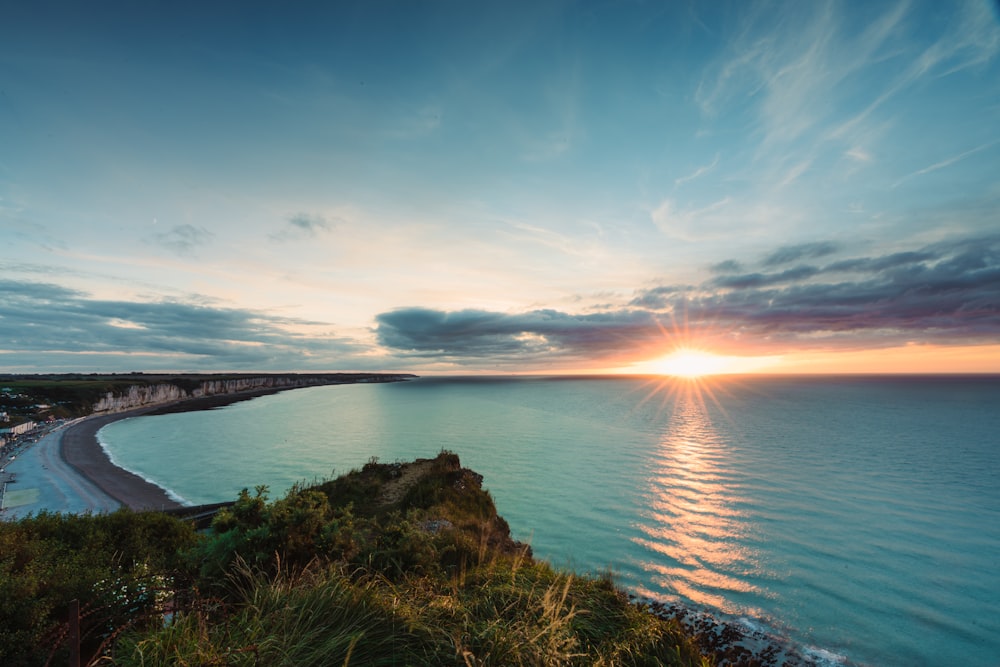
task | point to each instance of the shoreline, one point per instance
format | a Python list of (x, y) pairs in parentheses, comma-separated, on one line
[(82, 451), (69, 471)]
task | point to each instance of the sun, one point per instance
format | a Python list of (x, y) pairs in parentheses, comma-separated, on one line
[(691, 363)]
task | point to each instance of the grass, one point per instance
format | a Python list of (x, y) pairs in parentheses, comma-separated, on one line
[(501, 614)]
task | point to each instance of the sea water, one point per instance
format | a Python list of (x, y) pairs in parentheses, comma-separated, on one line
[(857, 517)]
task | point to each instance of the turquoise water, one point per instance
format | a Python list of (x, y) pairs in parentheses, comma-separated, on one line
[(858, 517)]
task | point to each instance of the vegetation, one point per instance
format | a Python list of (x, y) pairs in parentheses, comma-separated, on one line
[(395, 564), (112, 563)]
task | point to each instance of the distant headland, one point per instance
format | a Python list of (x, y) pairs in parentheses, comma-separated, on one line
[(38, 398)]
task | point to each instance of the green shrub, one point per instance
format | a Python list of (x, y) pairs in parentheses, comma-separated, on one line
[(112, 563)]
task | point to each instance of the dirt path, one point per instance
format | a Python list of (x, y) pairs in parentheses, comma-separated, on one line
[(395, 489)]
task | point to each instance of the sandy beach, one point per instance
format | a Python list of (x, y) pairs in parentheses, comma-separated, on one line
[(68, 471)]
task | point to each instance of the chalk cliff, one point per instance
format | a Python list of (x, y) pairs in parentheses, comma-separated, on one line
[(143, 395)]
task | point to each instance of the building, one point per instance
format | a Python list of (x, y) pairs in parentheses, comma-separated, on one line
[(18, 429)]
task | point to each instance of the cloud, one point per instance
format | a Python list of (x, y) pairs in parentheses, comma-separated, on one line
[(184, 239), (760, 279), (534, 335), (658, 298), (946, 162), (697, 173), (971, 38), (726, 266), (42, 319), (304, 225), (789, 254), (858, 154), (948, 293), (944, 293), (691, 223)]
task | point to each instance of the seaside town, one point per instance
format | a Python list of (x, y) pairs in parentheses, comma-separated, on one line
[(23, 421), (22, 418)]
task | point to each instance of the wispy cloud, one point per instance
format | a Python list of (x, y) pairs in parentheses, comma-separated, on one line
[(304, 225), (858, 154), (697, 173), (971, 39), (946, 162), (184, 240), (788, 254), (690, 223), (792, 65), (800, 76)]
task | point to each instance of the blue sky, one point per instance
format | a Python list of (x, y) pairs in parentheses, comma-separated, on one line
[(466, 187)]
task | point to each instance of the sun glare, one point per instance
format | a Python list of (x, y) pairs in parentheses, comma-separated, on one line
[(687, 362), (690, 363)]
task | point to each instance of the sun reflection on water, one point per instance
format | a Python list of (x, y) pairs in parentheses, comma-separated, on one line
[(693, 529)]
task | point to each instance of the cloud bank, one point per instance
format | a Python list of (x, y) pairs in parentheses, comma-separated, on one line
[(948, 293), (66, 326), (801, 297)]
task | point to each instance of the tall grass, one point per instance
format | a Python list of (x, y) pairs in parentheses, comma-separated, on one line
[(317, 617), (500, 613), (337, 575)]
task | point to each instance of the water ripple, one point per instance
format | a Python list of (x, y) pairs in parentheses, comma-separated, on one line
[(692, 528)]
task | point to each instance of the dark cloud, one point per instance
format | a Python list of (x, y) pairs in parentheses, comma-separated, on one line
[(658, 298), (728, 266), (793, 253), (184, 239), (760, 279), (39, 319), (947, 293), (898, 259), (533, 335)]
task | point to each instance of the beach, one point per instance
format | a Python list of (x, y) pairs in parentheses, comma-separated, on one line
[(68, 471)]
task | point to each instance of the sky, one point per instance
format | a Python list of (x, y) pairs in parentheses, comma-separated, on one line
[(516, 187)]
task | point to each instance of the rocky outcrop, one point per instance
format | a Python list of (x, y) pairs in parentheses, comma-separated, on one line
[(146, 395)]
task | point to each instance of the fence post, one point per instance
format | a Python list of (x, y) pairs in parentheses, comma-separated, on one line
[(74, 633)]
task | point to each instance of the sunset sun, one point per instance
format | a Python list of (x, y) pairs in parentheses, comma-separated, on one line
[(692, 363), (689, 362)]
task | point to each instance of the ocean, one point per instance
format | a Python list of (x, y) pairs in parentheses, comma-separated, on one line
[(856, 517)]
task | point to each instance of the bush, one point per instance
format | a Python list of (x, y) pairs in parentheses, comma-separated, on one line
[(111, 563)]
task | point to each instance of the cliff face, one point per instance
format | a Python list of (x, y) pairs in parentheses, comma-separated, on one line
[(143, 395)]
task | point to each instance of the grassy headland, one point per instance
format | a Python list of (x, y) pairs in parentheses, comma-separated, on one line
[(394, 564)]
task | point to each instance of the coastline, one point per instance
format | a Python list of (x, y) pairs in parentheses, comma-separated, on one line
[(80, 448), (69, 471)]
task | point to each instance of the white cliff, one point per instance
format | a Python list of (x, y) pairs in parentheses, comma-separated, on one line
[(143, 395)]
